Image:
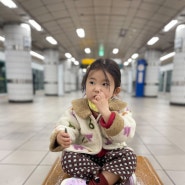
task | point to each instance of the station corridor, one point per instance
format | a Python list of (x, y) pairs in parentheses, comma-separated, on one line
[(25, 130)]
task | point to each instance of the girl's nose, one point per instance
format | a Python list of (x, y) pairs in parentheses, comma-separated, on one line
[(97, 88)]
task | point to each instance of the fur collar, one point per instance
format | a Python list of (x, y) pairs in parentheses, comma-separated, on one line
[(82, 109)]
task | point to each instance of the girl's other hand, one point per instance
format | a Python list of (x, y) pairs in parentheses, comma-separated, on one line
[(63, 139)]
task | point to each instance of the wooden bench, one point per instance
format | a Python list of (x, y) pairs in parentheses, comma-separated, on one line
[(145, 173)]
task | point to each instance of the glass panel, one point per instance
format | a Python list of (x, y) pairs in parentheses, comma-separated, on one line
[(168, 81), (38, 79), (3, 88), (161, 81)]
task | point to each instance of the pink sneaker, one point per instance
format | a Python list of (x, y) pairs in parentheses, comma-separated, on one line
[(73, 181)]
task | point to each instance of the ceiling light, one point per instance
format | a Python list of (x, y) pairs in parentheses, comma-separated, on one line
[(72, 59), (87, 50), (9, 3), (68, 55), (152, 41), (165, 57), (33, 53), (35, 25), (135, 55), (51, 40), (126, 63), (80, 32), (76, 63), (2, 39), (170, 25), (115, 50)]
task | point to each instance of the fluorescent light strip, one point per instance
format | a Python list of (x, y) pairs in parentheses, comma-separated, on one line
[(80, 32), (51, 40), (35, 25), (2, 39), (87, 50), (68, 55), (72, 59), (170, 25), (115, 50), (135, 55), (76, 62), (152, 41), (8, 3), (165, 57), (126, 63), (33, 53)]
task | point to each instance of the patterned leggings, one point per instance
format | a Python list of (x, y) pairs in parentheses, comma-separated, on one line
[(121, 162)]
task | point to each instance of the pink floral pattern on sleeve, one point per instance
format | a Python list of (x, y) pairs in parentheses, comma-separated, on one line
[(126, 131), (78, 147)]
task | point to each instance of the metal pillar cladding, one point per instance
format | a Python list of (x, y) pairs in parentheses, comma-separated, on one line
[(18, 62), (140, 77), (124, 80), (51, 59), (68, 73), (177, 95), (152, 58)]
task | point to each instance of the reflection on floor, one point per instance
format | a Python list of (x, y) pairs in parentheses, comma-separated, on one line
[(25, 130)]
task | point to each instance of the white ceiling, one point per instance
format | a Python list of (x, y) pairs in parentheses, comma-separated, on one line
[(102, 20)]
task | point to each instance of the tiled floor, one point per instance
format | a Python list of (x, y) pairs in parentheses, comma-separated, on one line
[(25, 130)]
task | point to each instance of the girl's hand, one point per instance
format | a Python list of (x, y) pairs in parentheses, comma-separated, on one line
[(101, 102), (63, 139)]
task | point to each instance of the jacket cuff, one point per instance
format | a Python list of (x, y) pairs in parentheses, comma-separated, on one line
[(110, 121)]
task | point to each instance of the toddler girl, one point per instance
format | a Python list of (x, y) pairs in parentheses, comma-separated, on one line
[(93, 132)]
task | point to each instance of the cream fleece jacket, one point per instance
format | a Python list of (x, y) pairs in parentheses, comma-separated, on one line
[(87, 135)]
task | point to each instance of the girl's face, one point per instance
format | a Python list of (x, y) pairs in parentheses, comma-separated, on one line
[(97, 84)]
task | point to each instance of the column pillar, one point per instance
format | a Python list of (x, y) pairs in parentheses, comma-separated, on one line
[(61, 78), (177, 95), (51, 59), (124, 79), (152, 73), (18, 62), (67, 73), (133, 73), (74, 77)]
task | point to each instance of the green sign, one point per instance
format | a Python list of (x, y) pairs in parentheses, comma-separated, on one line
[(101, 50)]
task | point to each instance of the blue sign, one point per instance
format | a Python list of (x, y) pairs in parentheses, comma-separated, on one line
[(140, 77)]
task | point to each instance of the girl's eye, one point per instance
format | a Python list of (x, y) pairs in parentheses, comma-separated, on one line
[(91, 82), (106, 84)]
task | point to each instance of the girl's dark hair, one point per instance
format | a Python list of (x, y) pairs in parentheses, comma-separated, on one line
[(106, 65)]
